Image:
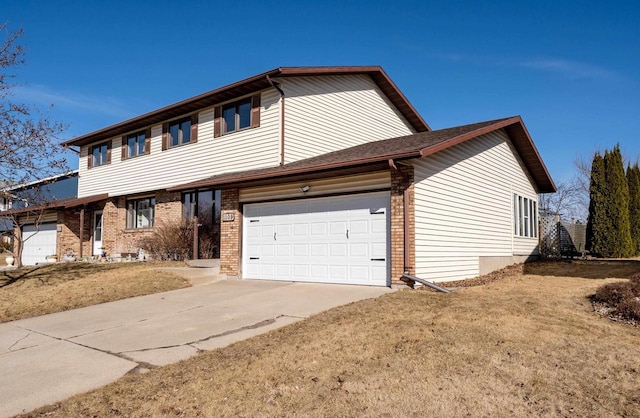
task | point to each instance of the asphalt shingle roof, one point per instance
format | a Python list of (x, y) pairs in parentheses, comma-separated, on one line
[(410, 146)]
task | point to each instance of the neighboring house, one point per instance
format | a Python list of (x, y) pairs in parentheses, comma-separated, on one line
[(35, 206), (323, 174)]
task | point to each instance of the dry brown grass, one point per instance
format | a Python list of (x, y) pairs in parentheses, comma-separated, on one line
[(522, 346), (33, 291)]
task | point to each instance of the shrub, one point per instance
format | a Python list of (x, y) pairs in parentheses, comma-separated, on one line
[(623, 298), (170, 241)]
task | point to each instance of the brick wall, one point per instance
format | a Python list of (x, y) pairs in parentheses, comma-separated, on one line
[(398, 185), (116, 238), (68, 237), (230, 233)]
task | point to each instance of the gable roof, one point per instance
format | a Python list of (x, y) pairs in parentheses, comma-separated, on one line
[(411, 146), (250, 85)]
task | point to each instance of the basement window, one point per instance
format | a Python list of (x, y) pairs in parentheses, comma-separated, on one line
[(525, 217)]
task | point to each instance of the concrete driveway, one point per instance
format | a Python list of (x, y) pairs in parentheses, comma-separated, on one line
[(51, 357)]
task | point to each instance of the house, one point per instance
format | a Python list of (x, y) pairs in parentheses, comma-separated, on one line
[(34, 206), (321, 174)]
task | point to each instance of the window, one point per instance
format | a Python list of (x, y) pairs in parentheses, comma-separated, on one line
[(238, 115), (135, 144), (100, 154), (141, 213), (180, 132), (525, 217), (206, 204)]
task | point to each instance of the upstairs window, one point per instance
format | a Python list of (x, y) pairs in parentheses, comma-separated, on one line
[(180, 132), (525, 217), (141, 213), (99, 154), (136, 144), (236, 116)]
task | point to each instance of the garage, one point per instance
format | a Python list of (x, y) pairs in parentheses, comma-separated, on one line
[(39, 242), (341, 239)]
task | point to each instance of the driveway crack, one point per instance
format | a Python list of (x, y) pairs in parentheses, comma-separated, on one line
[(260, 324), (19, 339)]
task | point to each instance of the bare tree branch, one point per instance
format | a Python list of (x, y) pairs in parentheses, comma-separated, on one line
[(29, 143)]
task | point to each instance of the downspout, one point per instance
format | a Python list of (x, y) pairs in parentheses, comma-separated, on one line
[(276, 86), (406, 276)]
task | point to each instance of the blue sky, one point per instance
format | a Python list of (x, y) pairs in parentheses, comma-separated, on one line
[(570, 69)]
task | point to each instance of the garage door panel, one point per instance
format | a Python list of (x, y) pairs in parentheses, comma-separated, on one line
[(301, 272), (378, 250), (338, 228), (318, 229), (330, 240), (301, 250), (300, 230), (319, 271), (319, 250), (359, 250), (338, 250), (378, 226), (283, 250)]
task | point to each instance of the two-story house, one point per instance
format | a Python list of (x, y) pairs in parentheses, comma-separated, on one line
[(323, 174)]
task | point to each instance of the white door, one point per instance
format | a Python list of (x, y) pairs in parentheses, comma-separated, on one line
[(97, 233), (330, 240), (39, 242)]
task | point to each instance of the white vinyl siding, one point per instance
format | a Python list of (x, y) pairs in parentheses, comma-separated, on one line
[(318, 187), (464, 207), (237, 151), (328, 113)]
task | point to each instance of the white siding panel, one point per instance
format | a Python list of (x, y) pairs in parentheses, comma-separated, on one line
[(328, 113), (319, 187), (244, 150), (464, 205)]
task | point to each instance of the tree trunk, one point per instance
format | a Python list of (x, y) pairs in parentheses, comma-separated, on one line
[(17, 246)]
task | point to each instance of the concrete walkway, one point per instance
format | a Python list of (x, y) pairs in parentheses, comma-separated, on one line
[(51, 357)]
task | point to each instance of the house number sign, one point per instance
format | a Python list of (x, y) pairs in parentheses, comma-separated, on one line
[(228, 217)]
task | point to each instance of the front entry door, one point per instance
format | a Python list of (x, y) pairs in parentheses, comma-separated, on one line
[(97, 233)]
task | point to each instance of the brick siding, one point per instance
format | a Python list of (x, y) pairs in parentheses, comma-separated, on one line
[(230, 233), (398, 185)]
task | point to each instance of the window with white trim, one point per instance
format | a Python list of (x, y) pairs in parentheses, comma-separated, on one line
[(525, 217)]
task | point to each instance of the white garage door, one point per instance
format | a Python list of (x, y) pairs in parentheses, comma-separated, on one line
[(38, 243), (331, 240)]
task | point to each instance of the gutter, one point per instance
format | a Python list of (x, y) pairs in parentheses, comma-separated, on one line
[(276, 86)]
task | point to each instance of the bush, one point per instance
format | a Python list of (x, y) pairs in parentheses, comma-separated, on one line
[(170, 241), (623, 298)]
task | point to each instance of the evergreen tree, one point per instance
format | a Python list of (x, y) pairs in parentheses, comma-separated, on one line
[(619, 242), (633, 179), (598, 226)]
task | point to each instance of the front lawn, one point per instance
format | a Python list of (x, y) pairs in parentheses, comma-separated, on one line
[(33, 291), (523, 345)]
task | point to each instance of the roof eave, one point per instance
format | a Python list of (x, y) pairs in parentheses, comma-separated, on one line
[(249, 85), (521, 140)]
